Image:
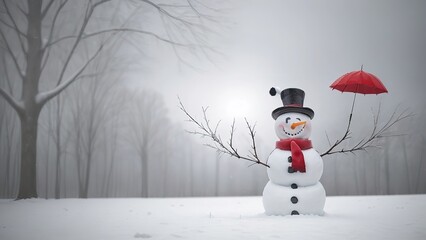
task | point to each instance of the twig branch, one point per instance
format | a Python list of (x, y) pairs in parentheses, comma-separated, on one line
[(46, 9), (17, 105), (16, 28), (12, 55), (89, 12), (205, 130), (346, 136), (13, 28), (46, 50), (158, 37), (170, 15), (376, 133), (253, 142), (43, 97)]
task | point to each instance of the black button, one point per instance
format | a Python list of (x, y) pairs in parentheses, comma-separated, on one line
[(294, 212), (290, 170), (294, 186), (290, 159), (294, 200)]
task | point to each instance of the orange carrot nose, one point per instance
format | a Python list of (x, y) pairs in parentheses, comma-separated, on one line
[(294, 125)]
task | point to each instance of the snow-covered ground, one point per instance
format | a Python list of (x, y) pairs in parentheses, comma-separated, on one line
[(367, 217)]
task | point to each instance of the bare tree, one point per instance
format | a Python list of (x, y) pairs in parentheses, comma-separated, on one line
[(9, 132), (148, 123), (111, 150), (32, 35), (59, 144), (96, 104), (420, 167), (8, 149), (57, 133)]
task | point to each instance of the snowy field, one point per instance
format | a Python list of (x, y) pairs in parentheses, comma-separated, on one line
[(367, 217)]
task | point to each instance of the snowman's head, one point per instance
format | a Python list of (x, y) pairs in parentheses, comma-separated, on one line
[(293, 125)]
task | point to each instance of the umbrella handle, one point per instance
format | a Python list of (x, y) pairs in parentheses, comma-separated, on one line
[(352, 110)]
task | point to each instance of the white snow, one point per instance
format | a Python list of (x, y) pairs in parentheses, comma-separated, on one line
[(367, 217)]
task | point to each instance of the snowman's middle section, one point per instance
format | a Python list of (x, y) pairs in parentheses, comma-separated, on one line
[(281, 173)]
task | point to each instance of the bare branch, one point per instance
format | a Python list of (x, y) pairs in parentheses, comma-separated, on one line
[(183, 24), (328, 139), (252, 136), (219, 145), (376, 133), (89, 11), (165, 5), (17, 105), (46, 54), (179, 57), (342, 139), (208, 17), (55, 17), (115, 30), (21, 10), (205, 6), (42, 98), (46, 9), (12, 55), (169, 14), (16, 28), (12, 27), (231, 138), (6, 75)]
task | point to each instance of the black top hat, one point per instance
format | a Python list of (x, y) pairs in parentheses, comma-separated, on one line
[(292, 99)]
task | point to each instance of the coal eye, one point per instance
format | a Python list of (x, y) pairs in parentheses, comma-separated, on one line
[(286, 120), (298, 119)]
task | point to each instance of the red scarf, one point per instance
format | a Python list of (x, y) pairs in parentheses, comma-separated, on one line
[(295, 145)]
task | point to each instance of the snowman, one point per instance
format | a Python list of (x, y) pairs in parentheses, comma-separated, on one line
[(295, 166)]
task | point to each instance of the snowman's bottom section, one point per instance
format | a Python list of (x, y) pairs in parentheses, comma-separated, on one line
[(282, 200)]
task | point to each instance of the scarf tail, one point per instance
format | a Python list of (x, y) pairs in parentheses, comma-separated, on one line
[(295, 145)]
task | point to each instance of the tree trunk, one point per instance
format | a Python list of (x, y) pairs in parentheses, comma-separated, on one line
[(387, 167), (406, 165), (28, 180), (85, 192), (336, 177), (144, 177), (10, 153), (58, 149), (165, 154), (29, 115), (419, 169), (217, 170), (58, 175), (46, 194)]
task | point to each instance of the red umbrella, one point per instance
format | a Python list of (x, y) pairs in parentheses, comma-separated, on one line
[(359, 82)]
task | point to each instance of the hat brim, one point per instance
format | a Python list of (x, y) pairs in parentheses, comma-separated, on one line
[(281, 110)]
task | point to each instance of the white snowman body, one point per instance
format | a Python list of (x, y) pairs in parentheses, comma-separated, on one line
[(278, 168), (283, 200), (289, 192)]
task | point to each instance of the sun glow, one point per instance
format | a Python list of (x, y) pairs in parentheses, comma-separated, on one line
[(237, 108)]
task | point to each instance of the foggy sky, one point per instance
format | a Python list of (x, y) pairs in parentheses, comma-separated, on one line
[(303, 44)]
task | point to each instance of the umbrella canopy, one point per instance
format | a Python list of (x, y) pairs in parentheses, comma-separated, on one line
[(359, 82)]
